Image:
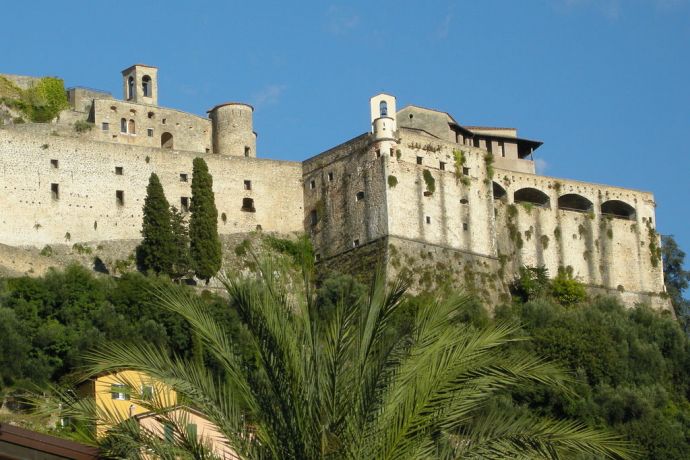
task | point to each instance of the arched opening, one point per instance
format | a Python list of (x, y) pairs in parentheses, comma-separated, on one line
[(248, 205), (131, 127), (383, 108), (146, 85), (618, 209), (123, 125), (130, 87), (166, 141), (574, 202), (532, 196), (499, 192)]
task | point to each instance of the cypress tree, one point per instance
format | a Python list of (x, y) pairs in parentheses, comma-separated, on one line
[(204, 248), (156, 249), (180, 237)]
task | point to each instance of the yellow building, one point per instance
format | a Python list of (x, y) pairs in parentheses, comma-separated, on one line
[(120, 395)]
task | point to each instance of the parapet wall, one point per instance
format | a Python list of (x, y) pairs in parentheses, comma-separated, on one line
[(100, 189)]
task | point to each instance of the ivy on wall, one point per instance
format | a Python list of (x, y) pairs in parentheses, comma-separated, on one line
[(41, 103)]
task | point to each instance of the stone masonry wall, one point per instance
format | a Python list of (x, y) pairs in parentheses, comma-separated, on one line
[(89, 174)]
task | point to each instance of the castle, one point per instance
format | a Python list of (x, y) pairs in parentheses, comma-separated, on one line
[(434, 199)]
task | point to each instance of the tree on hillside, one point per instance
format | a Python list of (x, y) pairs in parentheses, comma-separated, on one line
[(180, 237), (676, 278), (156, 250), (205, 249), (342, 386)]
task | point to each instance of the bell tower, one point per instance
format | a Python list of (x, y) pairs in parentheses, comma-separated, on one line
[(383, 121), (140, 84)]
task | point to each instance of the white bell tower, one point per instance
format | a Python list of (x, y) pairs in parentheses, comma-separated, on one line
[(383, 122)]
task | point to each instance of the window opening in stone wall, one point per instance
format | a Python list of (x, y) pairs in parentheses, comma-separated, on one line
[(442, 166), (166, 141), (248, 205), (313, 217), (499, 192), (123, 125), (476, 142), (574, 202), (465, 171), (151, 114), (317, 257), (247, 185), (184, 203), (105, 126), (464, 226), (383, 108), (531, 195), (55, 191), (360, 196), (378, 153), (330, 177), (54, 164), (501, 149), (120, 197), (489, 145), (619, 209), (419, 160), (131, 127), (146, 85), (184, 177), (164, 120), (355, 243), (247, 151), (119, 170), (130, 87), (312, 184), (392, 151), (149, 131), (428, 219), (464, 201), (113, 108)]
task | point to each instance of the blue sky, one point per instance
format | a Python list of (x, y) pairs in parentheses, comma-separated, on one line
[(604, 83)]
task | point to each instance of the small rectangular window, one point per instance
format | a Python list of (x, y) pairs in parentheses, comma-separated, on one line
[(392, 151), (248, 205), (120, 197), (147, 392), (464, 226), (442, 166), (184, 204), (247, 185), (317, 257), (501, 149), (428, 219), (465, 171), (330, 177), (355, 243), (54, 164), (360, 196), (118, 170), (119, 391), (164, 121), (55, 191), (105, 126), (378, 153), (183, 177), (149, 131), (313, 217), (123, 126), (419, 160), (312, 184), (247, 151)]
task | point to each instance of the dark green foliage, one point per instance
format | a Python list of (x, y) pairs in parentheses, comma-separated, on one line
[(156, 251), (532, 282), (205, 248), (301, 250), (181, 265), (676, 278), (430, 181), (566, 290), (40, 103)]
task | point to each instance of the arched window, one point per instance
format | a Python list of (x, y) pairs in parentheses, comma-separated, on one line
[(619, 209), (531, 195), (146, 86), (166, 141), (131, 127), (130, 87), (123, 125), (383, 108), (248, 205), (499, 192), (574, 202)]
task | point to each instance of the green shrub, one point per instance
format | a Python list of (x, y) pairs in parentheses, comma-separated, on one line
[(392, 181), (82, 126), (47, 251), (430, 181), (566, 290)]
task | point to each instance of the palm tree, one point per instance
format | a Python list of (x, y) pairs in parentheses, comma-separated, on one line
[(346, 387)]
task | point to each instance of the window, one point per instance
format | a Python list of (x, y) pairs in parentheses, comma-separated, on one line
[(330, 177), (442, 166), (464, 201), (120, 197), (355, 243), (360, 196), (147, 392), (419, 160), (183, 177), (166, 141), (130, 87), (247, 185), (383, 108), (119, 392), (428, 219), (476, 142), (54, 164), (501, 149), (465, 171), (105, 126), (131, 127), (118, 170), (146, 86), (392, 151), (317, 257), (149, 132), (247, 151), (123, 125), (312, 184), (151, 115), (55, 191), (489, 145), (313, 217), (464, 226), (248, 205), (378, 153), (184, 203), (164, 120)]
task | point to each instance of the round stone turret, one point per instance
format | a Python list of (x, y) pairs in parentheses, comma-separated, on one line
[(233, 132)]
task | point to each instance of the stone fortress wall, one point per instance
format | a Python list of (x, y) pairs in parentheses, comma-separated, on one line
[(425, 196)]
